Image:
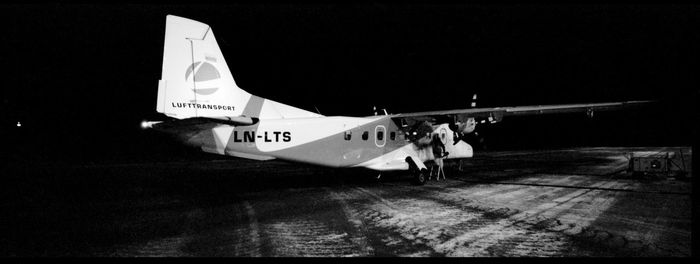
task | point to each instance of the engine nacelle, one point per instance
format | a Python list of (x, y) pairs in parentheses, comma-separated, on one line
[(468, 126)]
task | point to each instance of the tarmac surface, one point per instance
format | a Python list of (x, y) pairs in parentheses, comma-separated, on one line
[(569, 202)]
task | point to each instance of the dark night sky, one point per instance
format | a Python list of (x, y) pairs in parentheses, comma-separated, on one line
[(82, 77)]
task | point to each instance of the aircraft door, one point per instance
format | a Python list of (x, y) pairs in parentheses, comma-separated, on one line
[(380, 136), (443, 135)]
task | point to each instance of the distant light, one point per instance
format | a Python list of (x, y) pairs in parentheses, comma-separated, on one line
[(148, 124), (19, 124)]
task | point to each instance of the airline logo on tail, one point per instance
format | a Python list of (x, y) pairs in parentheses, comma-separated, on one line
[(205, 76)]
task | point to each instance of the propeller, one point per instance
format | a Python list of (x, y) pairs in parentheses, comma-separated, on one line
[(463, 128), (419, 134)]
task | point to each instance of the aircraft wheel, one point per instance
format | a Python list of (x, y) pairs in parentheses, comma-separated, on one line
[(419, 177)]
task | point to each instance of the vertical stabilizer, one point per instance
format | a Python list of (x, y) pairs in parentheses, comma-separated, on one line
[(196, 80)]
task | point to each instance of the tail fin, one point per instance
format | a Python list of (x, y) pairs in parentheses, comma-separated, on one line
[(196, 81)]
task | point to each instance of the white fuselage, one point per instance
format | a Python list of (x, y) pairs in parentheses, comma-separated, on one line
[(374, 142)]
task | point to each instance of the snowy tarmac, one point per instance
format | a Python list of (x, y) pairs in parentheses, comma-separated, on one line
[(572, 202)]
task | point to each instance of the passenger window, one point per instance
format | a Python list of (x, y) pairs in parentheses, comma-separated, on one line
[(380, 135), (365, 135), (348, 135), (392, 135)]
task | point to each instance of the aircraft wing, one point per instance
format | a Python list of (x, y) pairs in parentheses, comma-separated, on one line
[(497, 113)]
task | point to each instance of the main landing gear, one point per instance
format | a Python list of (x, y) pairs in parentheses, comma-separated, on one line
[(420, 176)]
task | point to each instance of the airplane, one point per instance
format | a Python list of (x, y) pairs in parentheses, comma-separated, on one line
[(205, 108)]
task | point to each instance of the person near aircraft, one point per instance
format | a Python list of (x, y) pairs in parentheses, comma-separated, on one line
[(439, 153)]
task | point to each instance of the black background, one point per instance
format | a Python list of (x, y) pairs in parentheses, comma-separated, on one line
[(81, 77)]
